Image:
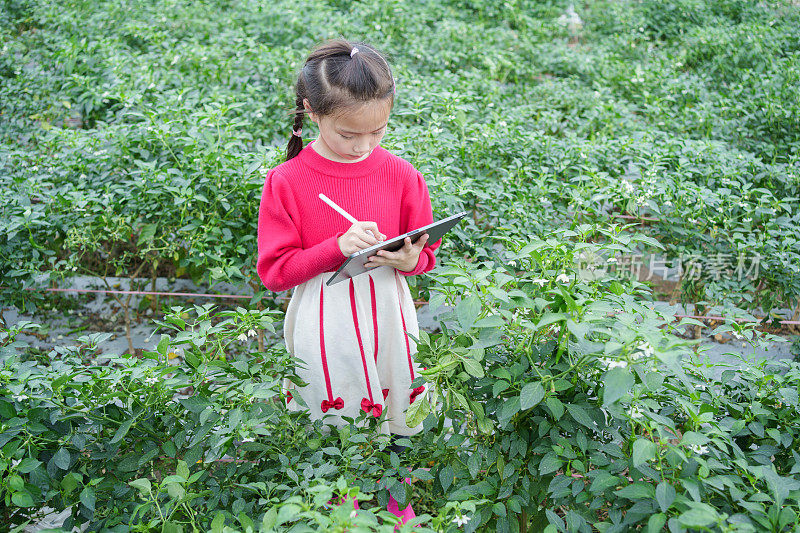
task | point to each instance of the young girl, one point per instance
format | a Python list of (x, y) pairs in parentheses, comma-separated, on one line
[(351, 336)]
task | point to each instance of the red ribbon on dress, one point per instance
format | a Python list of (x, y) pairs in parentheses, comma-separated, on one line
[(288, 396), (338, 403), (416, 392), (367, 406)]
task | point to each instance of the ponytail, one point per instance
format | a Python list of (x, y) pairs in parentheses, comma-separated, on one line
[(336, 75), (296, 140)]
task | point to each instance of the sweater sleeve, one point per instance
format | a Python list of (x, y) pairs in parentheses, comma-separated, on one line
[(416, 205), (282, 261)]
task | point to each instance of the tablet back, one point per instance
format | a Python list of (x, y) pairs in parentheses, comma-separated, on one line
[(354, 265)]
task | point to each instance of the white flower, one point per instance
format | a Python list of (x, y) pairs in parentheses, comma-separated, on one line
[(646, 348), (251, 333), (242, 337), (249, 439), (151, 380), (541, 282), (627, 186), (611, 260), (461, 520), (570, 19), (635, 412), (353, 513), (700, 450), (610, 363), (562, 278)]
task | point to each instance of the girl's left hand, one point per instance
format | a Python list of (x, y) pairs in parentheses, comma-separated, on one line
[(404, 259)]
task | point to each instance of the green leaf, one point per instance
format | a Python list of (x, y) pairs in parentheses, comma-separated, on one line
[(699, 515), (182, 469), (656, 523), (143, 484), (473, 367), (691, 438), (580, 415), (69, 483), (531, 395), (219, 522), (418, 411), (446, 477), (246, 522), (637, 491), (88, 498), (163, 344), (122, 430), (616, 383), (148, 231), (7, 410), (22, 499), (59, 382), (643, 450), (175, 491), (61, 459), (550, 318), (169, 448), (665, 495), (555, 406), (549, 463), (474, 464), (603, 481), (27, 465), (467, 311), (508, 410)]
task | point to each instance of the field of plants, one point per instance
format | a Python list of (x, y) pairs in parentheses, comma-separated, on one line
[(586, 141)]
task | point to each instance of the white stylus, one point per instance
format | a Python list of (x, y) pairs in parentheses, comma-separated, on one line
[(341, 211)]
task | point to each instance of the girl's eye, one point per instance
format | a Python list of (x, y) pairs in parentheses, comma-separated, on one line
[(345, 136)]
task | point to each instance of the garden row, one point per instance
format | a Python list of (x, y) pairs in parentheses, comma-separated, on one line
[(136, 144), (572, 406)]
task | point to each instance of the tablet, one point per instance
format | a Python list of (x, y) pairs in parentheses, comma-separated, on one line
[(354, 264)]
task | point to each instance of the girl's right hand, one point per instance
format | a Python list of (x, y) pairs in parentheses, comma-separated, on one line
[(360, 235)]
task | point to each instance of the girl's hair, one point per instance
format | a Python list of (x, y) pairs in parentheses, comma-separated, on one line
[(338, 75)]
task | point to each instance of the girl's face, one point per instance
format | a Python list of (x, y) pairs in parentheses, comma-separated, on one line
[(351, 136)]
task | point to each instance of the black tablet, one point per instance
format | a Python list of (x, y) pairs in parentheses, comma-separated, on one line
[(354, 264)]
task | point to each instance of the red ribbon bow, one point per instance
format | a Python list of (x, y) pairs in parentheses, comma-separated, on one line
[(385, 393), (416, 392), (367, 406), (338, 403)]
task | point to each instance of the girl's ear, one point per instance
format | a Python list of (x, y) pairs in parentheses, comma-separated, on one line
[(313, 116)]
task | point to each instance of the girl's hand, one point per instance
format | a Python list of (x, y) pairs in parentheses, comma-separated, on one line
[(360, 235), (404, 259)]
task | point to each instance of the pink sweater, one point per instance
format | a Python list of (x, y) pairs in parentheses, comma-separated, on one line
[(298, 232)]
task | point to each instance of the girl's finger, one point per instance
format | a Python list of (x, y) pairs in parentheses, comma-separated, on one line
[(360, 242), (373, 227), (366, 237), (385, 254)]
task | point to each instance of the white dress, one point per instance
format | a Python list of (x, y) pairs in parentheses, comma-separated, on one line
[(351, 339)]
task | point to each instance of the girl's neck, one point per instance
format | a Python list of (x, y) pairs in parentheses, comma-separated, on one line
[(319, 146), (355, 169)]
